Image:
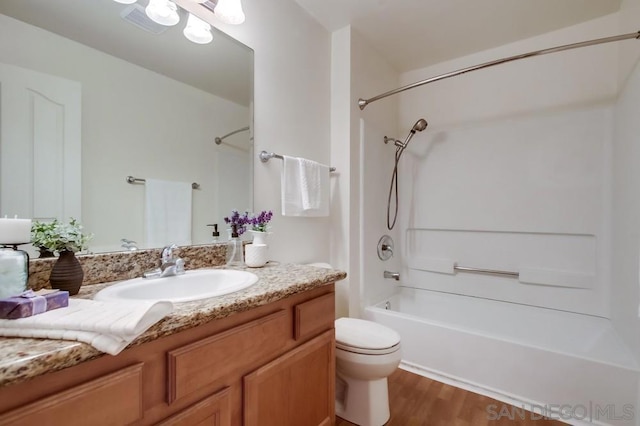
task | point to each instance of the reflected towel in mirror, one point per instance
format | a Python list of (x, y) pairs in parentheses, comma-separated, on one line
[(167, 212)]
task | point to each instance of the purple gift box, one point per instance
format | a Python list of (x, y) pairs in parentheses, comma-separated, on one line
[(32, 303)]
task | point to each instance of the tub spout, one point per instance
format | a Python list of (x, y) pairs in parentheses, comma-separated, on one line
[(394, 275)]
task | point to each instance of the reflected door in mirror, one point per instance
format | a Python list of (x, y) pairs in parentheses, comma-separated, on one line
[(40, 172)]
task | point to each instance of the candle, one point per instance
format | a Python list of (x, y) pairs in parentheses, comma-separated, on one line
[(15, 231), (13, 272)]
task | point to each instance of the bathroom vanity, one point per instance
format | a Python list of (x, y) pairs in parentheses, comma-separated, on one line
[(263, 356)]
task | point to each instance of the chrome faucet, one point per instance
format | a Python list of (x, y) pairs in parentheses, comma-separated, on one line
[(170, 265), (128, 244), (392, 275)]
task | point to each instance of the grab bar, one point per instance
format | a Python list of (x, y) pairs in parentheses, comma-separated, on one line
[(486, 271)]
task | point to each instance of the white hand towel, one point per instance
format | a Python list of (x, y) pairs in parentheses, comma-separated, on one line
[(107, 326), (167, 212), (315, 186), (305, 188), (290, 187)]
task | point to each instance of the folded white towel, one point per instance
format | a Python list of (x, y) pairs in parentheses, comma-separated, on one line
[(107, 326), (168, 212), (305, 188)]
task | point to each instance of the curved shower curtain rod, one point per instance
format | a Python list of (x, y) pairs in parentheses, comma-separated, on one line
[(218, 139), (362, 103)]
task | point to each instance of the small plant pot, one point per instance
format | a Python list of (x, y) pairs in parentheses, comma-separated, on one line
[(67, 273), (44, 253), (259, 238)]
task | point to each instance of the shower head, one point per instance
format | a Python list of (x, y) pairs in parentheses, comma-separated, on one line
[(418, 127)]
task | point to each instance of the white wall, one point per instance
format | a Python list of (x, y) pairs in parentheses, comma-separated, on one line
[(625, 299), (359, 217), (628, 52), (292, 113), (514, 170), (372, 74), (343, 252), (134, 122), (574, 78)]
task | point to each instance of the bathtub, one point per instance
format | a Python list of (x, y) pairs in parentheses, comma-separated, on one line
[(566, 365)]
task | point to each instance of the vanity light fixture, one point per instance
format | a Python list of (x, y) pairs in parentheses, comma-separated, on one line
[(197, 30), (164, 12), (229, 12)]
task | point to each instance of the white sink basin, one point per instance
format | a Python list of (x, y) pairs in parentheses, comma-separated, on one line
[(192, 285)]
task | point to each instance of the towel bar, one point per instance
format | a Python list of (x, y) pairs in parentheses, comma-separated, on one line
[(131, 179), (266, 156)]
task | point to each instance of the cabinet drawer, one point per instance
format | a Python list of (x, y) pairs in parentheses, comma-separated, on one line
[(314, 316), (198, 365), (91, 403), (214, 410)]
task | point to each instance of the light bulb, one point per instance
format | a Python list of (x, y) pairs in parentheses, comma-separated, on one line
[(229, 11), (197, 30), (164, 12), (125, 1)]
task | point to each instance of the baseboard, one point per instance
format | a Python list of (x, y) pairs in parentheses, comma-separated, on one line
[(538, 407)]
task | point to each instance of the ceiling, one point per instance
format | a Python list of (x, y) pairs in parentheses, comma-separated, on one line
[(413, 34), (97, 23)]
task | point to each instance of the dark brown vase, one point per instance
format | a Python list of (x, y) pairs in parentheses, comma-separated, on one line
[(44, 253), (67, 273)]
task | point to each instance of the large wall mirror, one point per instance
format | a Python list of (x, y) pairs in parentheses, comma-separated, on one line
[(88, 97)]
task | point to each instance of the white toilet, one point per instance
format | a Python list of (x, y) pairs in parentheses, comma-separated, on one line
[(366, 354)]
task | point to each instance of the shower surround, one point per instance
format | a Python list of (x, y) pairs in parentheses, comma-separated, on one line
[(529, 168)]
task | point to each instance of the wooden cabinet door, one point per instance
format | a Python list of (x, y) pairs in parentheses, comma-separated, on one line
[(214, 410), (296, 389), (111, 400)]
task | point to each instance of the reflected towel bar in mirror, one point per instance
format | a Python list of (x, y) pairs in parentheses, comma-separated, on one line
[(265, 156), (131, 179)]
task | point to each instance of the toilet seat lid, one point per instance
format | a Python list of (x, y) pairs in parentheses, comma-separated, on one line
[(363, 351), (361, 334)]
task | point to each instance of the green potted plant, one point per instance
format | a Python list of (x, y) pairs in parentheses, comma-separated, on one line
[(66, 239), (42, 236), (59, 237)]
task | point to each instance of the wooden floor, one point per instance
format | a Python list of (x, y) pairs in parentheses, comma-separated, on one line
[(415, 400)]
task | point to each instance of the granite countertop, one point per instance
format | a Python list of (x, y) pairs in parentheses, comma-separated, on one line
[(22, 359)]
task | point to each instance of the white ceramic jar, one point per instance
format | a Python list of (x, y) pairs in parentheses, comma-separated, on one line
[(255, 255)]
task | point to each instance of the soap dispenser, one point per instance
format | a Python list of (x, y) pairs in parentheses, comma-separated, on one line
[(215, 233), (235, 256)]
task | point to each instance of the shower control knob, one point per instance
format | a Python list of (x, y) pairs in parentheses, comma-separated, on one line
[(385, 248)]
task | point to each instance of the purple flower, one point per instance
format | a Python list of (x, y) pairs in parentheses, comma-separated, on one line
[(259, 222), (239, 221)]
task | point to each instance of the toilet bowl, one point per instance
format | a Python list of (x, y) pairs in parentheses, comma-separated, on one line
[(366, 354)]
